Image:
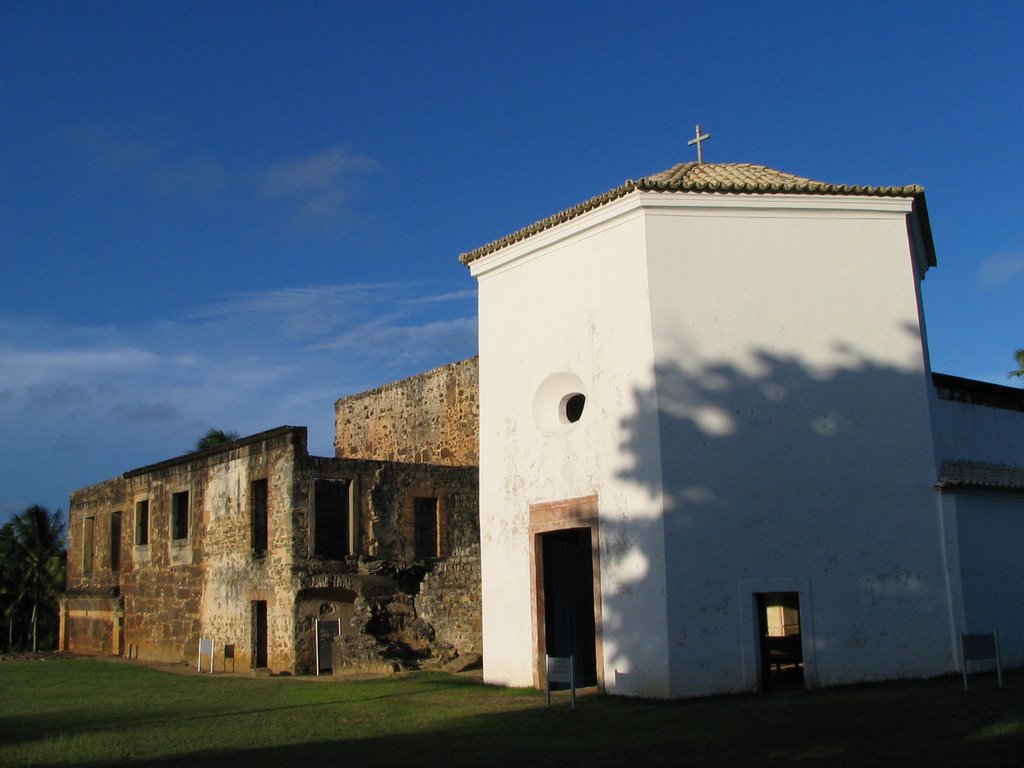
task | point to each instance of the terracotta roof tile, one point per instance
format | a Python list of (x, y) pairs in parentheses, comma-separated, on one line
[(968, 474), (723, 178)]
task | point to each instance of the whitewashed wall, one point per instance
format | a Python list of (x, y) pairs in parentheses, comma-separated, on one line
[(990, 535), (581, 310), (796, 437), (757, 420), (984, 529), (972, 432)]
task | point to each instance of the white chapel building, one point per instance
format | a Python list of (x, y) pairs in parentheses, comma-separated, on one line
[(714, 457)]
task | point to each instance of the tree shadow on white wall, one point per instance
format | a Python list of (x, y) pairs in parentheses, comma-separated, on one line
[(774, 469)]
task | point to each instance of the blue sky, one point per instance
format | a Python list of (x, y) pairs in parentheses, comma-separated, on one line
[(231, 214)]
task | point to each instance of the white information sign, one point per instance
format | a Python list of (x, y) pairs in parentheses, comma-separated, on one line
[(562, 669)]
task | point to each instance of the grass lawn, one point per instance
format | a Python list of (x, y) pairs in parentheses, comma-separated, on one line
[(89, 712)]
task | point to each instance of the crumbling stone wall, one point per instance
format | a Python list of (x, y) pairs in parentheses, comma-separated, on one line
[(92, 608), (450, 601), (161, 581), (383, 494), (386, 634), (432, 418), (382, 575), (175, 591), (98, 502), (172, 592), (236, 574)]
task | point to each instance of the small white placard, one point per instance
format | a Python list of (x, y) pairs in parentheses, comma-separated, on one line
[(560, 670)]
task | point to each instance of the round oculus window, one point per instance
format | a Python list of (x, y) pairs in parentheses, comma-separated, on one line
[(572, 407), (558, 402)]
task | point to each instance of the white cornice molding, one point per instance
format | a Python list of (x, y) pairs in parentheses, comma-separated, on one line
[(744, 205)]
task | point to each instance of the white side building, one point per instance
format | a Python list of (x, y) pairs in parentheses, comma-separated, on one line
[(712, 455)]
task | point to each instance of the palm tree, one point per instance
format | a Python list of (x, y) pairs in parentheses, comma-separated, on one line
[(215, 437), (11, 592), (1019, 357), (35, 548)]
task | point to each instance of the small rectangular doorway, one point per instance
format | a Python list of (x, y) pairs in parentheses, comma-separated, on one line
[(568, 599), (259, 634), (781, 644)]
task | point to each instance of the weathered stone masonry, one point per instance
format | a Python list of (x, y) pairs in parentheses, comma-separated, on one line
[(430, 418), (175, 551), (449, 600)]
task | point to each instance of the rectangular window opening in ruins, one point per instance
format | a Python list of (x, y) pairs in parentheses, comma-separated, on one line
[(87, 544), (425, 533), (258, 500), (259, 634), (179, 515), (331, 519), (782, 659), (142, 523), (115, 542)]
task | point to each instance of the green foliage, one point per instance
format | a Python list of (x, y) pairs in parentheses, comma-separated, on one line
[(214, 438), (91, 712), (32, 576), (1018, 356)]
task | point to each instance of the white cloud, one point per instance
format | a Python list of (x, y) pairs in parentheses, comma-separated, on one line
[(355, 317), (328, 170), (298, 312), (404, 344), (32, 366), (310, 194), (445, 297), (318, 187), (999, 269), (81, 404)]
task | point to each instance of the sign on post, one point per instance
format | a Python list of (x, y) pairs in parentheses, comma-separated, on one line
[(981, 648), (562, 669), (205, 646), (326, 631)]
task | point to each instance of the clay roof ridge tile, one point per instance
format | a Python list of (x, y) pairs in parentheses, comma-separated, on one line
[(723, 178)]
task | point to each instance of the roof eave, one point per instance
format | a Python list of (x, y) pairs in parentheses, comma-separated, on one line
[(654, 185)]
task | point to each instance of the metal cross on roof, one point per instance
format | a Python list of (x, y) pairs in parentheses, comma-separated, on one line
[(697, 140)]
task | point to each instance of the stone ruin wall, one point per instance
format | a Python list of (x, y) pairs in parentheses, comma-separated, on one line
[(161, 583), (158, 586), (90, 625), (91, 607), (374, 590), (173, 593), (450, 601), (430, 418), (234, 574), (387, 505)]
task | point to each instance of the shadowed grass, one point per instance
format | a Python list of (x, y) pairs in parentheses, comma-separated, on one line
[(88, 712)]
